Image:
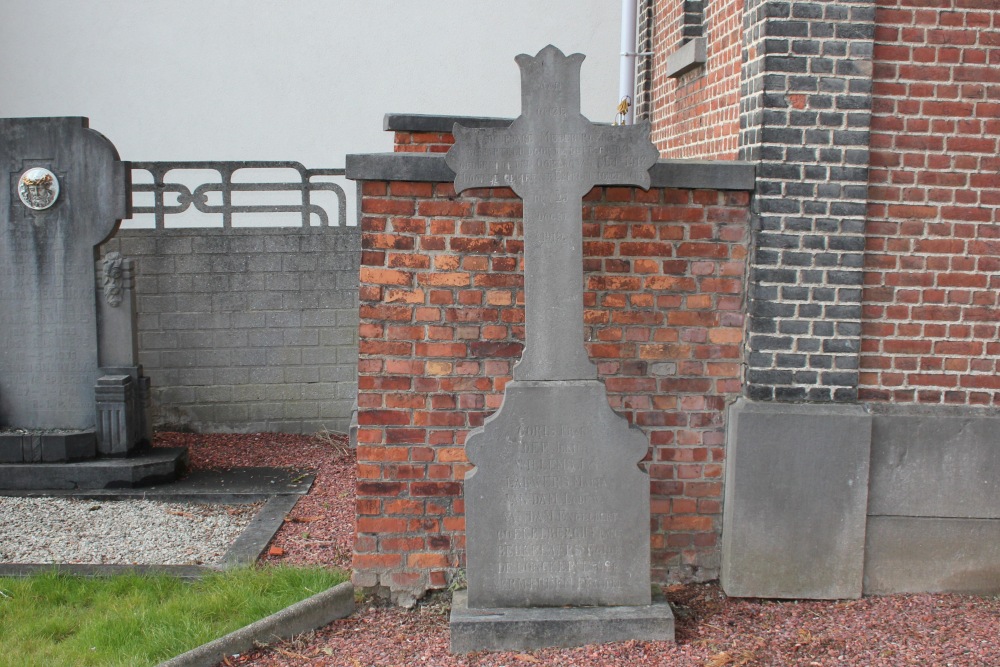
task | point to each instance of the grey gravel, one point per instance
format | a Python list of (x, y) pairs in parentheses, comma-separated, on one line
[(118, 532)]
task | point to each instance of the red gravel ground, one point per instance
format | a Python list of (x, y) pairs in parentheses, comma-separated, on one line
[(712, 631)]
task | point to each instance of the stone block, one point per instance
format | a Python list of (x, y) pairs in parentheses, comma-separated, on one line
[(31, 448), (77, 446), (795, 500), (119, 425), (932, 555), (526, 629), (939, 462), (10, 448)]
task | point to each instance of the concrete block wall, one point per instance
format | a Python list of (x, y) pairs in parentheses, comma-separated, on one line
[(442, 325), (248, 329)]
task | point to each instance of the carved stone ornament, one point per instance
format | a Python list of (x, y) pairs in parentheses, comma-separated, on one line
[(38, 188), (113, 270)]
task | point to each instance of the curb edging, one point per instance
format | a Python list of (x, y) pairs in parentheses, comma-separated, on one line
[(309, 614)]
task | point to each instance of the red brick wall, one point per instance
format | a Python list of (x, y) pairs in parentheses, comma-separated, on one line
[(931, 314), (697, 115), (442, 325), (422, 142)]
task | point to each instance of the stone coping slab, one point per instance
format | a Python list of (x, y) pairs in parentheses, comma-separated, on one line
[(309, 614), (431, 167), (415, 122), (525, 629)]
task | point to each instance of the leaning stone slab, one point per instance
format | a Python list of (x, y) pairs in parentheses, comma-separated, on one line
[(525, 629), (796, 500), (309, 614)]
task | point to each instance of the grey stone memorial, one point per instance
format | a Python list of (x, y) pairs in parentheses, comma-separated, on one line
[(71, 392), (557, 508)]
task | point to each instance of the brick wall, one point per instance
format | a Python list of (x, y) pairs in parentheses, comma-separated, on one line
[(247, 329), (805, 117), (932, 267), (696, 115), (442, 325)]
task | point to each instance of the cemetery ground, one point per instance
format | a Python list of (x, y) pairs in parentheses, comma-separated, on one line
[(712, 630)]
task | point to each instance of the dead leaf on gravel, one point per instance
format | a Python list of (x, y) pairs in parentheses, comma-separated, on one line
[(290, 654), (719, 660), (526, 658), (304, 519), (179, 513)]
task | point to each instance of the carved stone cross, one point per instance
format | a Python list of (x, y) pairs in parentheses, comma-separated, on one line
[(552, 156)]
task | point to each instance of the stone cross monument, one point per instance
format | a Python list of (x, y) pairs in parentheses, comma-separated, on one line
[(557, 509)]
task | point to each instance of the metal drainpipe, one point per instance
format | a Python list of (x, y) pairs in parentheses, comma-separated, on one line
[(626, 69)]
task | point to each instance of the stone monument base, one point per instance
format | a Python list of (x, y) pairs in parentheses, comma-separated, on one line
[(25, 446), (529, 628), (150, 466)]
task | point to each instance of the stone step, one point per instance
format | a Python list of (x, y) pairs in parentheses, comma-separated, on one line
[(153, 466)]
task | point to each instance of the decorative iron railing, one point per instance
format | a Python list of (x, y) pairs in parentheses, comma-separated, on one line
[(226, 187)]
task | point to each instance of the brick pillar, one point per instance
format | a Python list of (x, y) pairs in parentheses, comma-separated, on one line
[(805, 116)]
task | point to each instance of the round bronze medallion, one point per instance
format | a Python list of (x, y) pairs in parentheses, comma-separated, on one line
[(38, 188)]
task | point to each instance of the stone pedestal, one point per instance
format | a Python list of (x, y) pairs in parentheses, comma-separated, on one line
[(118, 423)]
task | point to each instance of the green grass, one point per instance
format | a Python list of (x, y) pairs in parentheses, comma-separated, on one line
[(134, 620)]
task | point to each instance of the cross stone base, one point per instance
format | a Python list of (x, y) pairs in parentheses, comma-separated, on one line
[(526, 629)]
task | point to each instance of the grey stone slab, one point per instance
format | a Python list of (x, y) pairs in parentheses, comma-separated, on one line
[(557, 509), (935, 463), (518, 629), (686, 58), (48, 318), (156, 466), (795, 500), (703, 175), (932, 555)]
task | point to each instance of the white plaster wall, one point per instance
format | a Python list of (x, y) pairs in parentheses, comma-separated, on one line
[(306, 80)]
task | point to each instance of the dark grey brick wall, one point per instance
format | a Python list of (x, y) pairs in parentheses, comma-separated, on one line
[(250, 329), (805, 117)]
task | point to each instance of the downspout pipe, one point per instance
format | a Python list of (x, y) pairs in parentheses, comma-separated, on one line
[(626, 69)]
